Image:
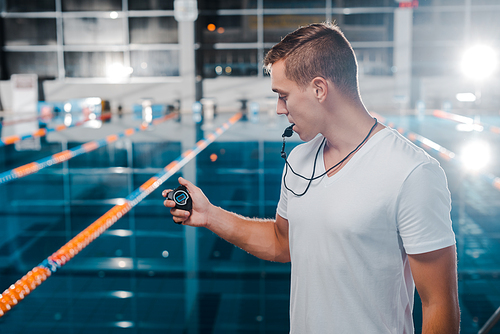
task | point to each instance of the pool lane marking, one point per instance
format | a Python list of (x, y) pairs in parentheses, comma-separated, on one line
[(38, 165), (40, 132)]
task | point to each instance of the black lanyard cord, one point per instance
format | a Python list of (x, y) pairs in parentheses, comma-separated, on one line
[(312, 178)]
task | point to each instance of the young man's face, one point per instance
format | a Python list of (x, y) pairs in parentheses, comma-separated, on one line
[(295, 102)]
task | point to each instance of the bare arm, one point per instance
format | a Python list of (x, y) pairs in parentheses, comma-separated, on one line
[(435, 276), (264, 238)]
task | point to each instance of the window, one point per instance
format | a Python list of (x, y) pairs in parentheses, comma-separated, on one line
[(227, 4), (435, 60), (29, 31), (368, 27), (365, 19), (30, 5), (229, 29), (483, 23), (484, 2), (152, 30), (294, 4), (236, 62), (44, 64), (151, 4), (91, 5), (278, 26), (93, 30), (92, 64), (374, 61), (154, 63), (426, 3), (438, 26)]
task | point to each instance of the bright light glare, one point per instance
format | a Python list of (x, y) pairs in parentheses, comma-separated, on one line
[(468, 127), (120, 233), (118, 71), (120, 201), (479, 62), (148, 114), (67, 107), (124, 324), (476, 155), (92, 101), (122, 294), (466, 97), (68, 119), (113, 15)]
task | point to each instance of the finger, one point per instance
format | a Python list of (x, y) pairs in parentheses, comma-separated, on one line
[(169, 203), (178, 218), (165, 192), (180, 213), (178, 221)]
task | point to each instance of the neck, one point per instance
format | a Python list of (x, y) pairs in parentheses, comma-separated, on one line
[(332, 156), (346, 126)]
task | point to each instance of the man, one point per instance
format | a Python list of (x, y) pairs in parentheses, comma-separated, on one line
[(364, 216)]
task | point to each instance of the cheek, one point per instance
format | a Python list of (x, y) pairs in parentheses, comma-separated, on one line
[(293, 107), (297, 112)]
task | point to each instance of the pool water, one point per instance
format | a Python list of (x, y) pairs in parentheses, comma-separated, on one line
[(149, 275)]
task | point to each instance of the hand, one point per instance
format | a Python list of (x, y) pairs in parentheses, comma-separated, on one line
[(201, 206)]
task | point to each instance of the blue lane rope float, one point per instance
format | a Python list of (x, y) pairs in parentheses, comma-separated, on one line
[(17, 291), (431, 146), (57, 158)]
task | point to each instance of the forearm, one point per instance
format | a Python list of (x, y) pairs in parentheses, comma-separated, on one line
[(258, 237), (439, 319)]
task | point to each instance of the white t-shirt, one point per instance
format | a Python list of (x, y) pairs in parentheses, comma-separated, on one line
[(350, 233)]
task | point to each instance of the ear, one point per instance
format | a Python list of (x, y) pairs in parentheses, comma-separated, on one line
[(320, 88)]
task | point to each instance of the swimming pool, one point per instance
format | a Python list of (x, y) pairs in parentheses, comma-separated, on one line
[(149, 275)]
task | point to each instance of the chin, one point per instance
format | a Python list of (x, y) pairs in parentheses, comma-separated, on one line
[(305, 138)]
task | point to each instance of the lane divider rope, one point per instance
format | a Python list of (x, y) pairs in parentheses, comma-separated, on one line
[(430, 146), (65, 155), (17, 291), (465, 120), (41, 132), (24, 120)]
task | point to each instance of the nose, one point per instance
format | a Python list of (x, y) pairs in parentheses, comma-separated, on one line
[(281, 107)]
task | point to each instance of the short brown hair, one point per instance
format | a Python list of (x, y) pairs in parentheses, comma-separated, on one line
[(319, 49)]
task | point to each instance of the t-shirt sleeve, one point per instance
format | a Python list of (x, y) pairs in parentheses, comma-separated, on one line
[(282, 204), (423, 210)]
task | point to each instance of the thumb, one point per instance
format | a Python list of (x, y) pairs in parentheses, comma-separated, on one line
[(185, 183)]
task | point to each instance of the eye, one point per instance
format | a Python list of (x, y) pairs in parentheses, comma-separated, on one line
[(282, 98)]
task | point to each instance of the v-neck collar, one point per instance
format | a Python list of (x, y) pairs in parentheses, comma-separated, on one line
[(377, 137)]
